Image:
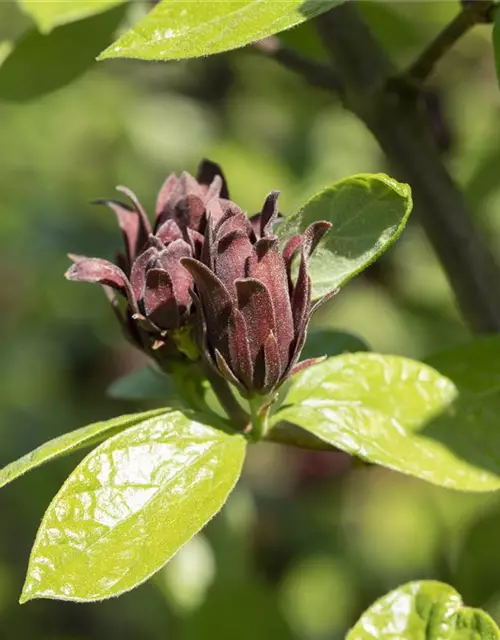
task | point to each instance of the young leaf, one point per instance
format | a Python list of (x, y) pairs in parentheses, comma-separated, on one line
[(71, 442), (129, 506), (191, 29), (367, 212), (49, 14), (401, 414), (425, 609), (39, 64)]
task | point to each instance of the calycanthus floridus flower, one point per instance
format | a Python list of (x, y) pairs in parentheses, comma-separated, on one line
[(254, 315), (158, 313), (205, 268)]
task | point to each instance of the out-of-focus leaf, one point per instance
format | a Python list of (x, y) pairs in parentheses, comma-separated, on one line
[(327, 342), (477, 569), (401, 414), (49, 14), (71, 442), (145, 383), (191, 29), (367, 212), (425, 609), (129, 506), (5, 49), (39, 64), (496, 40)]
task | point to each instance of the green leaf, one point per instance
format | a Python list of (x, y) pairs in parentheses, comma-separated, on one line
[(477, 568), (401, 414), (40, 64), (71, 442), (130, 505), (496, 39), (52, 13), (328, 342), (145, 383), (190, 29), (367, 212), (425, 610)]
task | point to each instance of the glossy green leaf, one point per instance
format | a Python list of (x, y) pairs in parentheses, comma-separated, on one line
[(71, 442), (49, 14), (367, 212), (191, 29), (40, 64), (401, 414), (425, 610), (130, 505)]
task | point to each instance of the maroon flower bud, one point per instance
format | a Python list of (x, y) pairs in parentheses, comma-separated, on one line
[(148, 274), (255, 314)]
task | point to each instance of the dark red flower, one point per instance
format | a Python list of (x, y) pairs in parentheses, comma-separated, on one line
[(255, 314), (149, 274)]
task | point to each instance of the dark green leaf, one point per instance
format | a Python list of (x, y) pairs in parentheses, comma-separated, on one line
[(401, 414), (129, 506), (328, 342), (145, 383), (191, 29), (52, 13), (423, 610), (72, 441), (367, 212), (39, 64)]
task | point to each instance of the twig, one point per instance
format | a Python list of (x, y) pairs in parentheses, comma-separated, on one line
[(403, 132), (316, 73), (471, 14)]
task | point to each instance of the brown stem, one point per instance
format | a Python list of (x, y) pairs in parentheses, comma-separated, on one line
[(403, 132), (471, 14), (317, 73)]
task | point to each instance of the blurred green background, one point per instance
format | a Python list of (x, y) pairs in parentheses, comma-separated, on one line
[(308, 540)]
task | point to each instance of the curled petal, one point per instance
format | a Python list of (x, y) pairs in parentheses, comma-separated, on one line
[(166, 191), (144, 221), (139, 269), (301, 295), (305, 364), (169, 260), (160, 304), (269, 214), (135, 233), (207, 172), (233, 219), (100, 271)]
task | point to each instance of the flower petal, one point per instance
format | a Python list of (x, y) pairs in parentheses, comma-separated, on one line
[(160, 304), (266, 264), (301, 295), (169, 260), (168, 232), (134, 232), (144, 221), (138, 271), (254, 303), (271, 363), (164, 195), (216, 303), (269, 214), (239, 348), (100, 271)]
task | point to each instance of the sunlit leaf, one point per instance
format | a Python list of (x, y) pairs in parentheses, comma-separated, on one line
[(52, 13), (420, 610), (72, 441), (189, 29), (367, 212), (39, 64), (401, 414), (130, 505)]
